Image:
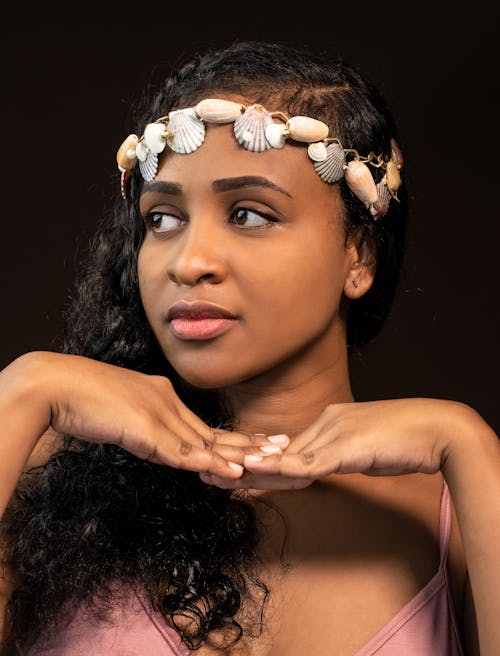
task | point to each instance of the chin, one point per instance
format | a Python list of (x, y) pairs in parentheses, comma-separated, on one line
[(208, 380)]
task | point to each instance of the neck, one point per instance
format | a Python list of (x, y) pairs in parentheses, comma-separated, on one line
[(288, 398)]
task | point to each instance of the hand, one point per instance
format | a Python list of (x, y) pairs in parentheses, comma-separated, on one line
[(104, 403), (376, 438)]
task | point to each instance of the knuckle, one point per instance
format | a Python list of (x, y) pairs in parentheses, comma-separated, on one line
[(310, 463), (258, 438), (185, 448), (214, 435), (152, 452), (308, 458)]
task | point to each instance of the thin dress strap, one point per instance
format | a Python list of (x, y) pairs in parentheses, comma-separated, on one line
[(444, 525), (444, 539)]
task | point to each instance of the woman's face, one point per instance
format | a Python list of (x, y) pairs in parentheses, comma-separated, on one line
[(258, 234)]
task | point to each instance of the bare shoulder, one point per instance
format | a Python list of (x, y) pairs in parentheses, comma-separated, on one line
[(421, 494)]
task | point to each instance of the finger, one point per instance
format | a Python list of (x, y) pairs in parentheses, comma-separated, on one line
[(238, 454), (219, 435), (183, 432), (216, 436), (183, 454), (320, 432), (240, 439), (218, 442), (309, 464), (340, 457), (250, 439), (199, 449)]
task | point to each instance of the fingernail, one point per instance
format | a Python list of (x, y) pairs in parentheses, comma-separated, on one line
[(235, 466), (278, 439), (271, 448), (254, 458), (258, 434)]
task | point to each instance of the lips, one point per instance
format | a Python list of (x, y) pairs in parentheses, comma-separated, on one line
[(199, 320), (198, 310)]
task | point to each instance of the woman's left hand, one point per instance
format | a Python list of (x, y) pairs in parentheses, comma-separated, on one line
[(376, 438)]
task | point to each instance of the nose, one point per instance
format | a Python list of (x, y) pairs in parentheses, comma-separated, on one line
[(199, 255)]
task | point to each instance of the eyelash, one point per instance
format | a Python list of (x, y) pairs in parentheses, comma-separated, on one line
[(150, 219)]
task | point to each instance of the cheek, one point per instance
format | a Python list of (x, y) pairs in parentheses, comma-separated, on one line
[(302, 289), (148, 280)]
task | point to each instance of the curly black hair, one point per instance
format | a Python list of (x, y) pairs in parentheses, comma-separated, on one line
[(96, 514)]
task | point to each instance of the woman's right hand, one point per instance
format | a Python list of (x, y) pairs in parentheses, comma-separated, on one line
[(104, 403)]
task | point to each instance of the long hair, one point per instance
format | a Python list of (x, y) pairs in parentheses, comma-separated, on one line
[(95, 514)]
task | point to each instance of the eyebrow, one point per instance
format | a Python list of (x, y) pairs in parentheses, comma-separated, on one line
[(228, 184), (224, 184), (171, 188)]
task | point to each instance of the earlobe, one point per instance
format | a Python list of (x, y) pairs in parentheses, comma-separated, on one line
[(359, 279), (361, 272)]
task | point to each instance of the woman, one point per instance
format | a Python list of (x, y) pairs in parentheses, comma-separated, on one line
[(222, 490)]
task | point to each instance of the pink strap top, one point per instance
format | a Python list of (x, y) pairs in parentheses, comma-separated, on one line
[(425, 626)]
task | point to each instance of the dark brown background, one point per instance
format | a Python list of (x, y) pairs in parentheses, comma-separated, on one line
[(67, 85)]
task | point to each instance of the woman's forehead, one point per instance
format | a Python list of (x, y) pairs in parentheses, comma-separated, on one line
[(221, 158)]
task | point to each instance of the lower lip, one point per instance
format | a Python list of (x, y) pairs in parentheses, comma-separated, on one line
[(200, 328)]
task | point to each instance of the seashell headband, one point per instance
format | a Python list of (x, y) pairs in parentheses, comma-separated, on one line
[(183, 130)]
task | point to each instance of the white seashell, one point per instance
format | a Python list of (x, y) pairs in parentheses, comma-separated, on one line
[(149, 166), (250, 128), (126, 157), (361, 182), (393, 177), (216, 110), (381, 205), (155, 137), (142, 151), (306, 129), (317, 151), (276, 135), (332, 168), (187, 131)]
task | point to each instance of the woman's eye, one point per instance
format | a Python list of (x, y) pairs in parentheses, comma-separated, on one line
[(162, 222), (251, 218)]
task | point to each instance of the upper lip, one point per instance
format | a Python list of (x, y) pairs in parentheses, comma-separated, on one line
[(197, 308)]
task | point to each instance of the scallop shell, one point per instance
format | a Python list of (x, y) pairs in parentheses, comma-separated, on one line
[(126, 157), (276, 135), (361, 182), (306, 129), (393, 177), (155, 137), (216, 110), (149, 166), (381, 205), (331, 169), (317, 151), (250, 128), (187, 131)]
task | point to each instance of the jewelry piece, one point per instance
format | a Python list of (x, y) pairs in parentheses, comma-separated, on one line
[(258, 130)]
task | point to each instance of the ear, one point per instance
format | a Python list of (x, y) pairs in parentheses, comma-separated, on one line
[(360, 266)]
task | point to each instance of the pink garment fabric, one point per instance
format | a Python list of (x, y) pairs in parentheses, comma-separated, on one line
[(426, 626)]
